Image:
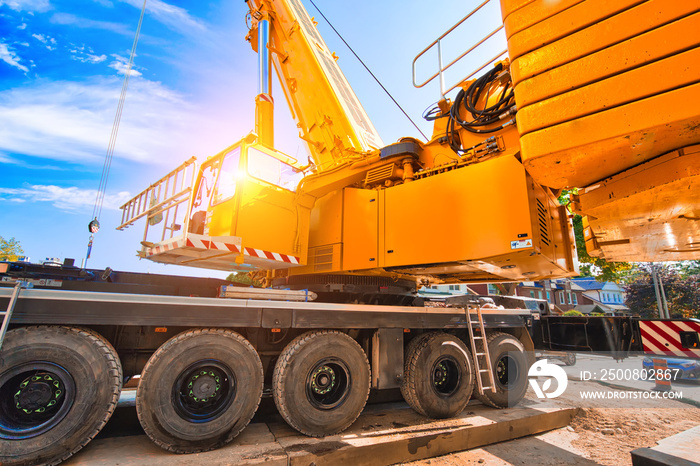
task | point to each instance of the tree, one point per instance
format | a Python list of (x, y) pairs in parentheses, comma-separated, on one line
[(682, 291), (10, 250), (590, 266)]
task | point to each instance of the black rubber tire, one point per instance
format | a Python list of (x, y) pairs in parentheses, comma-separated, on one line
[(157, 406), (311, 414), (427, 354), (91, 377), (507, 349), (570, 359)]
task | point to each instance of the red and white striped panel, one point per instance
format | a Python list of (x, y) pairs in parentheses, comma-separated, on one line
[(271, 256), (165, 247), (211, 242), (220, 243), (663, 337)]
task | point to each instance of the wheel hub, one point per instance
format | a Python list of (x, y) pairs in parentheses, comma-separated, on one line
[(323, 380), (446, 376), (440, 375), (34, 397), (38, 393), (204, 385), (328, 383), (203, 390)]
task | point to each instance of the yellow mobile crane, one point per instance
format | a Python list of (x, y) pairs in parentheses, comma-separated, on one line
[(606, 96)]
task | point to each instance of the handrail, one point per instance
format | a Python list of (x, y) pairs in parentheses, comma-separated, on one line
[(441, 68), (161, 202), (142, 204)]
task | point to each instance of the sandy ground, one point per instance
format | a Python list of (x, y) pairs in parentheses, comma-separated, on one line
[(602, 435)]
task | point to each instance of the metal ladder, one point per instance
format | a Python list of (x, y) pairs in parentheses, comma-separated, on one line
[(483, 353), (7, 314)]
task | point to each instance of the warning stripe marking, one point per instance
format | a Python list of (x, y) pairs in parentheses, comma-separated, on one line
[(663, 337), (209, 243)]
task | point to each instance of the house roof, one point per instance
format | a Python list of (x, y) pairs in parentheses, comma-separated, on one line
[(588, 308), (589, 283)]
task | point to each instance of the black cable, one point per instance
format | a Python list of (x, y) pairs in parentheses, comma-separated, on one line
[(370, 72), (481, 117)]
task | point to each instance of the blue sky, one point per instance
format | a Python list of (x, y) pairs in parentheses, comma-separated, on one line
[(191, 93)]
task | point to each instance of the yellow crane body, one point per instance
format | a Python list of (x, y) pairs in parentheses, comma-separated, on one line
[(608, 95)]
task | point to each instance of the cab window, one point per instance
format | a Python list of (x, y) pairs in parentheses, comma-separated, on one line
[(271, 170), (228, 177)]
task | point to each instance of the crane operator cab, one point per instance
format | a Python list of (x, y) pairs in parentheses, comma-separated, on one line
[(244, 213)]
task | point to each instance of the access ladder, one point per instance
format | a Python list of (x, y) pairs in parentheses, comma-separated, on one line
[(483, 353), (7, 314)]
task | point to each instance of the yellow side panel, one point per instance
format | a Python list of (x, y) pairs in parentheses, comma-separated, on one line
[(650, 212), (324, 259), (326, 224), (656, 78), (601, 31), (466, 214), (360, 229), (269, 219), (585, 150), (565, 24), (637, 51), (521, 14)]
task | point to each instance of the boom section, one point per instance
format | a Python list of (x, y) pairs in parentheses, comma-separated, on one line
[(329, 115)]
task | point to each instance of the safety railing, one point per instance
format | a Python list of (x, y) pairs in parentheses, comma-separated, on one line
[(161, 202), (442, 68)]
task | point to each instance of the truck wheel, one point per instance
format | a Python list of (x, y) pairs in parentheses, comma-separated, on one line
[(438, 377), (321, 382), (199, 390), (510, 371), (58, 388)]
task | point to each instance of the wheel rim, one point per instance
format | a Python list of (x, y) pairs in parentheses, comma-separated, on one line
[(507, 372), (446, 376), (328, 383), (204, 390), (34, 398)]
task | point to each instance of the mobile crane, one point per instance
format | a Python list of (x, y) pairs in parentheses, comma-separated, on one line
[(342, 224)]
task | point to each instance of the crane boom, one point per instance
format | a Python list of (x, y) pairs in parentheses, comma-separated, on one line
[(329, 115)]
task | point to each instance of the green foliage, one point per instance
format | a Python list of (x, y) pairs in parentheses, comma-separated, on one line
[(10, 249), (590, 266), (689, 268), (573, 313), (682, 290), (243, 279)]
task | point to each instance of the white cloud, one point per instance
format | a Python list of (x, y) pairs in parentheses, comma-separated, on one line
[(22, 26), (10, 57), (72, 122), (27, 5), (174, 17), (70, 199), (48, 41), (121, 64), (6, 159), (85, 54), (76, 21)]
